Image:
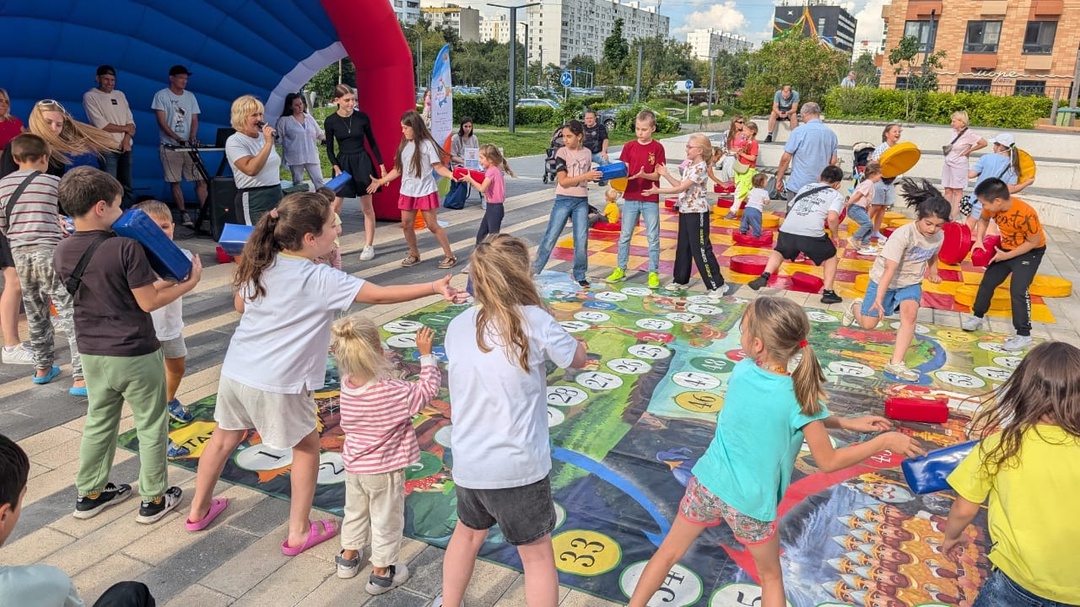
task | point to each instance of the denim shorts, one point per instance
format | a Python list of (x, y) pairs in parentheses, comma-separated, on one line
[(701, 507), (524, 514), (892, 299), (999, 590)]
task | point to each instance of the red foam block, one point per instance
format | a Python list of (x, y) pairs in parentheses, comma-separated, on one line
[(748, 264), (809, 282), (725, 202), (724, 188), (671, 202), (222, 256), (981, 257), (957, 243), (915, 409), (747, 240), (604, 226), (478, 176)]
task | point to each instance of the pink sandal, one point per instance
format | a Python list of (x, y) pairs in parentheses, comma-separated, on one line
[(319, 532), (217, 505)]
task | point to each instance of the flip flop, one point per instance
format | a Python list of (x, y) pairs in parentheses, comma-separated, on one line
[(320, 532), (217, 505)]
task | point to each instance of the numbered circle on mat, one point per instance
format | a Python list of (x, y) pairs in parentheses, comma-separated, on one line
[(681, 588), (654, 324), (699, 402), (684, 318), (649, 351), (704, 308), (843, 367), (695, 381), (586, 553), (575, 326), (993, 373), (637, 291), (960, 380), (737, 595), (592, 316), (628, 366), (403, 326), (597, 380), (610, 296), (565, 396), (331, 468), (402, 340), (555, 417)]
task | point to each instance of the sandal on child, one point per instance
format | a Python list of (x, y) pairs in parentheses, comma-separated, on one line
[(448, 262), (410, 260), (217, 505), (48, 377), (319, 532)]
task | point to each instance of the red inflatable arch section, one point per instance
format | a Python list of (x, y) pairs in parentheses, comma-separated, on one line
[(370, 33)]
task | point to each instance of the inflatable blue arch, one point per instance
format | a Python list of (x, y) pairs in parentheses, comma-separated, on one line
[(269, 48)]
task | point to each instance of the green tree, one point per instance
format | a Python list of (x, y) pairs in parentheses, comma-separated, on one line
[(616, 48), (866, 73), (904, 60), (808, 65), (582, 63), (324, 81)]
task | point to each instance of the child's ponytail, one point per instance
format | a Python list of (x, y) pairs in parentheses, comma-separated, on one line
[(1014, 160), (282, 229), (922, 196), (495, 155), (783, 328)]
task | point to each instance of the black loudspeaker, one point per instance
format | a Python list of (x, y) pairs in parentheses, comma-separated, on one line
[(222, 204)]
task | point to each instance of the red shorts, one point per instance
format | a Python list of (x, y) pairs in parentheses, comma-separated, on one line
[(418, 203)]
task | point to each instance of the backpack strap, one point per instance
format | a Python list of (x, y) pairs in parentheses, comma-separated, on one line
[(807, 193), (18, 193), (74, 281)]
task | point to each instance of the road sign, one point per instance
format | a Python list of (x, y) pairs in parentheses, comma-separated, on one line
[(566, 79), (689, 84)]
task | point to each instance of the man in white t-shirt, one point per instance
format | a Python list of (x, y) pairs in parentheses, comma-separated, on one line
[(108, 109), (178, 120), (803, 231)]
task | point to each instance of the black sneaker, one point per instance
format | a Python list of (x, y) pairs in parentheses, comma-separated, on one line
[(396, 576), (151, 512), (830, 297), (759, 282), (89, 507), (768, 138), (584, 284)]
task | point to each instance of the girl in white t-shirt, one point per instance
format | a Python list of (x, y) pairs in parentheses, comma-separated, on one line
[(277, 356), (498, 352), (417, 156), (897, 274)]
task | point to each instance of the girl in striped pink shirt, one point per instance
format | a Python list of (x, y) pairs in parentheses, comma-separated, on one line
[(376, 415)]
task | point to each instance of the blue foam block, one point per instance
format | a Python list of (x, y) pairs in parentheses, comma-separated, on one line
[(338, 182), (233, 237), (167, 260), (927, 474), (613, 170)]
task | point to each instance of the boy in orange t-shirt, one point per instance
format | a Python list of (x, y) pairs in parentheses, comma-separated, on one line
[(1023, 244)]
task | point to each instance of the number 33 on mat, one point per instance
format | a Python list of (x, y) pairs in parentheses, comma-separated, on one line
[(585, 553)]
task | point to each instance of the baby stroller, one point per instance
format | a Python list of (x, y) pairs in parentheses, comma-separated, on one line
[(549, 155), (860, 152)]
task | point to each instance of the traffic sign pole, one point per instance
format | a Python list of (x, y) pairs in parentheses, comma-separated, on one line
[(689, 85), (566, 79)]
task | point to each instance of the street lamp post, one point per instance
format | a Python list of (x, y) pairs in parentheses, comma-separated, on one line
[(513, 54), (525, 75), (420, 56)]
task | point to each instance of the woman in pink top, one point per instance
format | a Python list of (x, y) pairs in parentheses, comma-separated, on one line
[(493, 188), (954, 173), (10, 126)]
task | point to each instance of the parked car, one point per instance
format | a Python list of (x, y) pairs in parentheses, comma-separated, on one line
[(534, 102), (607, 117)]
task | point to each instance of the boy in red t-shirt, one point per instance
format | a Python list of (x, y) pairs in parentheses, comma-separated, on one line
[(641, 156)]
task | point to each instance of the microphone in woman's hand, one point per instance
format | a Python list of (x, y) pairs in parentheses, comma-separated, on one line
[(259, 124)]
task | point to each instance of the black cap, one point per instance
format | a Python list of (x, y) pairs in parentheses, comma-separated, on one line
[(178, 69), (105, 69)]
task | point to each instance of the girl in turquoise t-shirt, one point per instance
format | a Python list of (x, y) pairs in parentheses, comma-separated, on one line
[(747, 467)]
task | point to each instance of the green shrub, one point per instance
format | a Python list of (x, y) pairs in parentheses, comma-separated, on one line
[(866, 103), (472, 106), (536, 116), (624, 119), (756, 99)]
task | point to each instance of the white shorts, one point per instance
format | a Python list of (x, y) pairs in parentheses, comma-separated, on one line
[(282, 420), (174, 348)]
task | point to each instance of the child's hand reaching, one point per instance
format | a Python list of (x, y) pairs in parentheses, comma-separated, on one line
[(374, 185), (653, 191), (902, 444), (954, 548), (424, 337), (866, 423)]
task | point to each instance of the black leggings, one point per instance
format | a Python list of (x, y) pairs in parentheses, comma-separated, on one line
[(694, 246), (1023, 269), (491, 222)]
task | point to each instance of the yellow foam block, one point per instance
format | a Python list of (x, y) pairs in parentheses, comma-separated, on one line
[(1000, 302), (1050, 286), (770, 221), (862, 282), (945, 287), (896, 223), (727, 223), (894, 216)]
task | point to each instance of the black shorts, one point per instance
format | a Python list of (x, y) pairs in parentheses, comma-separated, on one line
[(361, 168), (818, 249), (6, 259), (524, 514)]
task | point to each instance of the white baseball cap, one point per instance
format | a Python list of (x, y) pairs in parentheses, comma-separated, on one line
[(1004, 140)]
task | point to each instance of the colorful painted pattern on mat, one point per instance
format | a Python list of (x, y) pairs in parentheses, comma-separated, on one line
[(629, 427), (604, 248)]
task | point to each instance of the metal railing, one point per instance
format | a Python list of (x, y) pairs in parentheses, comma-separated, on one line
[(1030, 87)]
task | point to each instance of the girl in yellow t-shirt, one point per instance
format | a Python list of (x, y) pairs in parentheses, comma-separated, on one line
[(1028, 467)]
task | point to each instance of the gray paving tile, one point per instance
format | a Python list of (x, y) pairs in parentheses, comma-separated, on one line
[(263, 517), (173, 575)]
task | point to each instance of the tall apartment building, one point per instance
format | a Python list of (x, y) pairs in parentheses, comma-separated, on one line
[(820, 18), (560, 30), (707, 43), (464, 21), (497, 28), (1004, 47), (407, 11)]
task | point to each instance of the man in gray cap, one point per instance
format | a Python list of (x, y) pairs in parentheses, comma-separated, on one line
[(178, 120)]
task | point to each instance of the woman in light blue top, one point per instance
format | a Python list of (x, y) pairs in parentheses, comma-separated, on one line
[(298, 131), (747, 467), (1004, 164)]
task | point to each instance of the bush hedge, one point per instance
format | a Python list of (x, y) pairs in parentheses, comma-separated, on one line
[(867, 103), (624, 119)]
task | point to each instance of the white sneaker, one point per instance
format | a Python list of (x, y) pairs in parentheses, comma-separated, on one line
[(675, 286), (849, 313), (367, 254), (902, 372), (869, 250), (973, 323), (17, 355), (1017, 343)]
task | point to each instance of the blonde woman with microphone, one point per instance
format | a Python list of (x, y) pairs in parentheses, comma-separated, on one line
[(255, 163)]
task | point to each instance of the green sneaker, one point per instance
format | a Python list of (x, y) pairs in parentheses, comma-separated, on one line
[(654, 280), (617, 275)]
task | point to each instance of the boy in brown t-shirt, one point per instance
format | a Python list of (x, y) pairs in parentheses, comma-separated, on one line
[(1023, 244), (121, 355)]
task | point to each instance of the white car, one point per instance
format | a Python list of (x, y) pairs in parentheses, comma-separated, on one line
[(534, 102)]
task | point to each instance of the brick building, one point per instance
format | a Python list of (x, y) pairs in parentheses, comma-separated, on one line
[(1005, 47)]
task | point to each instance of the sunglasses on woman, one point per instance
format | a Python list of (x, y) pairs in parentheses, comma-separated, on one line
[(45, 103)]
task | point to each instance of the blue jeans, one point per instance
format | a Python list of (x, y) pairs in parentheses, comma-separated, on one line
[(650, 211), (998, 590), (866, 226), (575, 209), (118, 164), (751, 222)]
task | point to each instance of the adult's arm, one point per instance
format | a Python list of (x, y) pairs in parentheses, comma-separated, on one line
[(163, 124), (252, 165), (194, 135)]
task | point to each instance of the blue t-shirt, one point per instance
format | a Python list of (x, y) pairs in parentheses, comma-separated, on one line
[(811, 146), (179, 110), (994, 165), (758, 435), (782, 103)]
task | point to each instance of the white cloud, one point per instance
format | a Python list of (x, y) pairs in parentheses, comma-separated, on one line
[(721, 16), (870, 24)]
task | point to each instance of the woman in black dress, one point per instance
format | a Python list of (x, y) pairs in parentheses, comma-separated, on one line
[(349, 128)]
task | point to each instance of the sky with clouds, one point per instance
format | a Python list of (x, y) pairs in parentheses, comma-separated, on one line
[(753, 18)]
